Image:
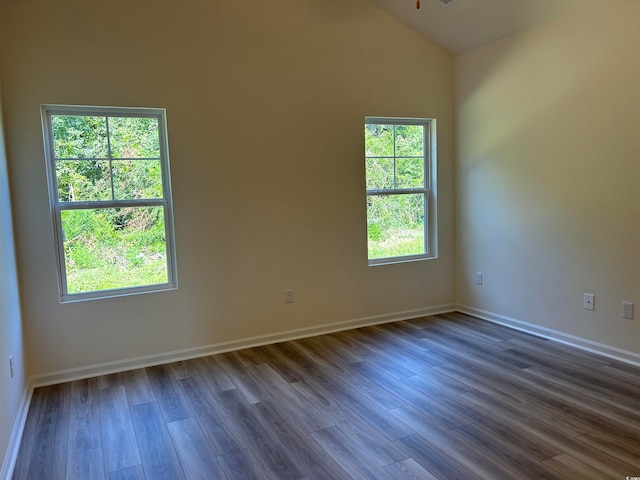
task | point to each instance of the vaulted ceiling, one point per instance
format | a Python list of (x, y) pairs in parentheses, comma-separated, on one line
[(462, 25)]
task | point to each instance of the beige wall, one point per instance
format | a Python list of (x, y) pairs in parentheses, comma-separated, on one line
[(548, 174), (11, 389), (265, 105)]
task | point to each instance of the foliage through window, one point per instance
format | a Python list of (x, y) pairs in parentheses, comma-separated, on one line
[(110, 195), (399, 192)]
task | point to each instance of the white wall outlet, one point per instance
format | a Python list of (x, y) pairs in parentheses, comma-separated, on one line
[(11, 371), (627, 310), (288, 296), (478, 278), (589, 300)]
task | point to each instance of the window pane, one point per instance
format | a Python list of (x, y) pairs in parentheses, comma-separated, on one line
[(79, 137), (134, 137), (378, 140), (136, 179), (83, 180), (379, 173), (409, 140), (410, 172), (395, 225), (114, 248)]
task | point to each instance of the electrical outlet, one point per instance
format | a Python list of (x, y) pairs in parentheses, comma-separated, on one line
[(627, 310), (11, 365), (288, 296), (478, 278), (589, 300)]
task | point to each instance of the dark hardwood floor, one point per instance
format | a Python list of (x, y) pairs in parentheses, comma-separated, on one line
[(443, 397)]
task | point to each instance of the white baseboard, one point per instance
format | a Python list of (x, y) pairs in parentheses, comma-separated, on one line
[(565, 338), (186, 354), (16, 435)]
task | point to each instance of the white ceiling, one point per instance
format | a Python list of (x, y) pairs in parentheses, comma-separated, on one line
[(463, 25)]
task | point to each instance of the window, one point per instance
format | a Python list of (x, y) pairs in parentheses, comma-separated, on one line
[(400, 173), (110, 198)]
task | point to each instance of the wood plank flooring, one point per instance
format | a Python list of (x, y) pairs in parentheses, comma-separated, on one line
[(443, 397)]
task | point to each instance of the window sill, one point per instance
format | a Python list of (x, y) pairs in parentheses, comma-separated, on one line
[(405, 259)]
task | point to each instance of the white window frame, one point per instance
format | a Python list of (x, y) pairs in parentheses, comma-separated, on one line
[(429, 189), (57, 207)]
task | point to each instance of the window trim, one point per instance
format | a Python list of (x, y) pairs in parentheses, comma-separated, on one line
[(429, 191), (56, 206)]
